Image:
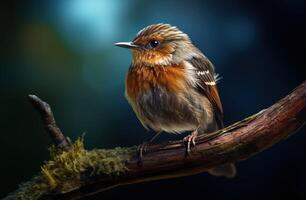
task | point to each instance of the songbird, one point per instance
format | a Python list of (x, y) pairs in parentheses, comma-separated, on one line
[(171, 86)]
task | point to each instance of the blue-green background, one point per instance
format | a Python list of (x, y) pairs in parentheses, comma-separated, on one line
[(62, 51)]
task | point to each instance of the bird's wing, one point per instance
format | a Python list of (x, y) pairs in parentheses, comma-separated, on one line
[(207, 83)]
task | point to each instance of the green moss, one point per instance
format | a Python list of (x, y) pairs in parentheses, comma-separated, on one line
[(30, 190), (63, 172)]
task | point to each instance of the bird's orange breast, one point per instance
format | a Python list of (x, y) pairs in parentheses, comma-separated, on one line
[(142, 78)]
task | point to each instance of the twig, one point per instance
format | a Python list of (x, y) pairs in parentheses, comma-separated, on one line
[(59, 140)]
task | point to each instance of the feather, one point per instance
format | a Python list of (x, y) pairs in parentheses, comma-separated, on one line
[(207, 84)]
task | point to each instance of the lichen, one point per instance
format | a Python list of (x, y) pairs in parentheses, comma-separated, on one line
[(65, 170)]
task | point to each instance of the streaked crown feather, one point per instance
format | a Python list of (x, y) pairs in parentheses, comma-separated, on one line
[(165, 31)]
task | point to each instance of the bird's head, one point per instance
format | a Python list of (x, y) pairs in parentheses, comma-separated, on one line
[(159, 44)]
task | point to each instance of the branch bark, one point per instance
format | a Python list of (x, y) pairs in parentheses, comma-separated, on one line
[(58, 138), (231, 144)]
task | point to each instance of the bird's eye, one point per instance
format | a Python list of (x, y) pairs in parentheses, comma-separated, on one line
[(152, 44)]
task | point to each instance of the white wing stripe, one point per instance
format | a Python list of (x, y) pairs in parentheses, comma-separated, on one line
[(210, 83), (199, 73)]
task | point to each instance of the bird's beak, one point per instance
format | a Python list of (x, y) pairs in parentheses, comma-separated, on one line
[(128, 45)]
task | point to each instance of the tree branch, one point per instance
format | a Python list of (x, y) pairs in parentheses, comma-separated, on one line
[(59, 140), (231, 144)]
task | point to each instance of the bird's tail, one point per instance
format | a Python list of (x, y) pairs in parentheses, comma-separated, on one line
[(227, 170)]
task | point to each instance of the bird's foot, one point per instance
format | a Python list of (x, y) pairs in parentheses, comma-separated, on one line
[(190, 139), (142, 148)]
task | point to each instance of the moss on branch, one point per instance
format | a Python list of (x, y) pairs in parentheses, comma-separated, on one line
[(64, 171)]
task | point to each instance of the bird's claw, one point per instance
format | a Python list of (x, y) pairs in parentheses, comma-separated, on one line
[(142, 148), (190, 139)]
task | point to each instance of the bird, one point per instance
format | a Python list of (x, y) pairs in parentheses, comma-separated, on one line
[(172, 86)]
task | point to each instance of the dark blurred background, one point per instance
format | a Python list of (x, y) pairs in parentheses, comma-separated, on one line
[(63, 52)]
